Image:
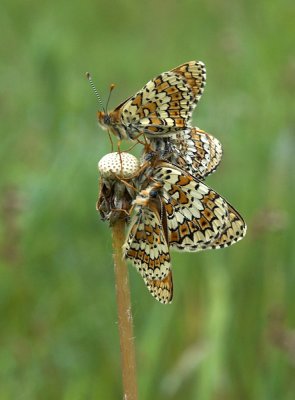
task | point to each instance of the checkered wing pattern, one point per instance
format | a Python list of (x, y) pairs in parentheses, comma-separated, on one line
[(146, 245), (179, 211), (162, 290), (234, 231), (162, 107), (196, 152), (198, 218), (193, 150)]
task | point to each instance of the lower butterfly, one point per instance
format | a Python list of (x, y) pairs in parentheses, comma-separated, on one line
[(179, 211)]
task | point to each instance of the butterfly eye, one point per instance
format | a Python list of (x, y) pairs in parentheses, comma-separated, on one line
[(106, 119), (154, 193), (149, 156)]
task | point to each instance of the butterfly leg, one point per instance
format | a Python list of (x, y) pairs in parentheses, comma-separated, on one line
[(132, 147), (111, 140), (120, 210), (126, 183), (136, 138), (119, 152)]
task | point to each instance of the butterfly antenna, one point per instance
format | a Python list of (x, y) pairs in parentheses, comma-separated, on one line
[(95, 90), (110, 92)]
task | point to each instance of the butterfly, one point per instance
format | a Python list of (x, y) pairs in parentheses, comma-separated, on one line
[(176, 210), (161, 108)]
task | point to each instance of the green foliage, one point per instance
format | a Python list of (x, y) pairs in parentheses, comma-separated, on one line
[(228, 333)]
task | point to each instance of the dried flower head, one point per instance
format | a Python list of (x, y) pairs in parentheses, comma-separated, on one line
[(113, 165), (116, 190)]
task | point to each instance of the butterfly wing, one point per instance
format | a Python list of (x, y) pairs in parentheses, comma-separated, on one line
[(146, 245), (162, 290), (195, 151), (198, 218), (194, 73), (165, 104), (234, 231)]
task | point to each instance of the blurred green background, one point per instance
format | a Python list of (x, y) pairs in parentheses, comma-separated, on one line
[(230, 331)]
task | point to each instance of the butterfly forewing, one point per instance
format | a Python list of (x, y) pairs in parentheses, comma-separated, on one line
[(198, 218), (194, 72), (196, 214), (162, 107), (165, 104)]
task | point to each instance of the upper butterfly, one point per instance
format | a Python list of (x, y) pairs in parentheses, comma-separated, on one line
[(162, 107)]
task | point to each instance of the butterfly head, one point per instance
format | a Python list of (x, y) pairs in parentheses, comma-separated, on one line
[(155, 190), (146, 196), (104, 119)]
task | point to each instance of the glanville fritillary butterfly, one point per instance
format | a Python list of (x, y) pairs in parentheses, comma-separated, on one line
[(177, 211), (162, 107)]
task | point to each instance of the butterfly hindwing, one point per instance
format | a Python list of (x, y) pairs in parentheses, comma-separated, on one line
[(193, 150), (196, 152), (162, 290)]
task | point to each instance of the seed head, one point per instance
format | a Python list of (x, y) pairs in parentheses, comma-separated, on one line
[(118, 164)]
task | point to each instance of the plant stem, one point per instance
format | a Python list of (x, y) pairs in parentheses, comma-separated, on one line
[(124, 314)]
